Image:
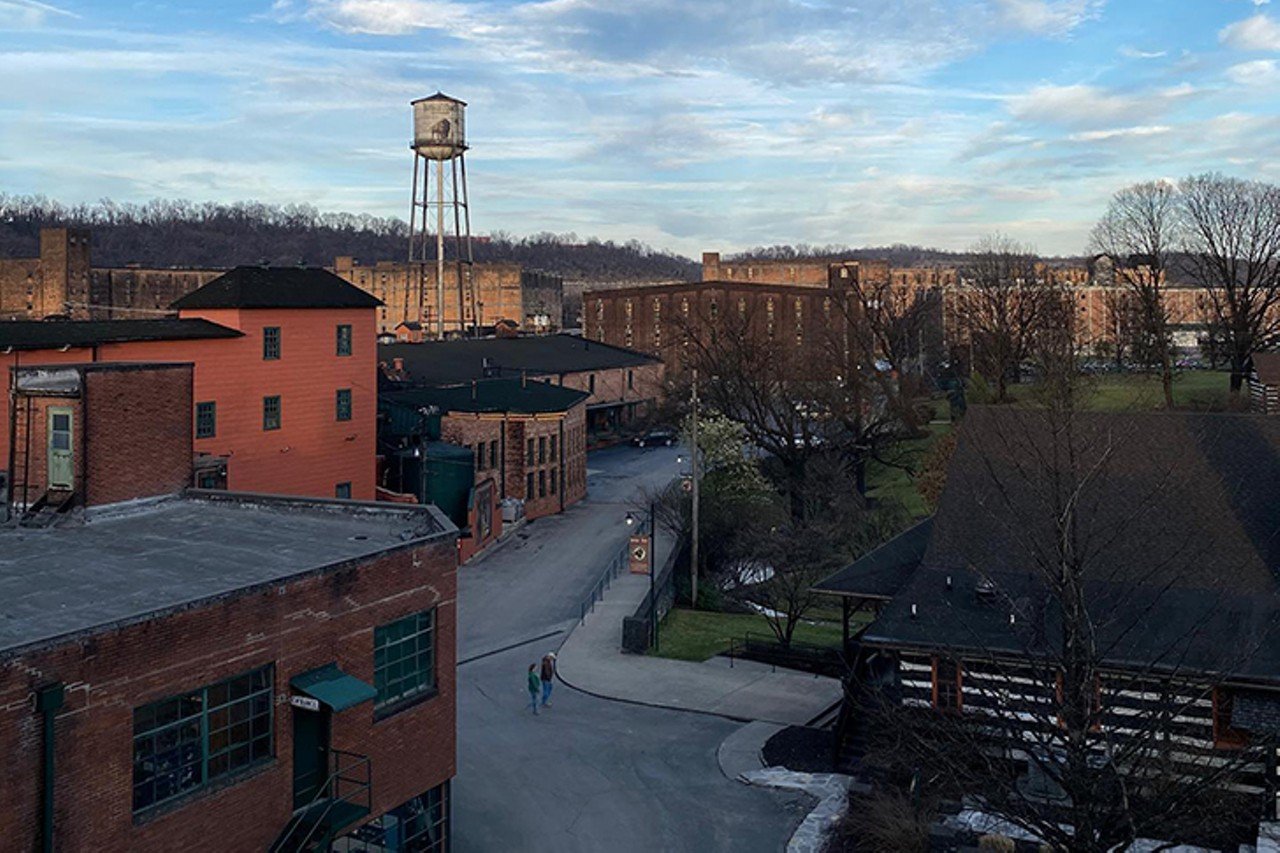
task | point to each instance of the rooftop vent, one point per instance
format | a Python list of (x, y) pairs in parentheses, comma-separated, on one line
[(985, 589)]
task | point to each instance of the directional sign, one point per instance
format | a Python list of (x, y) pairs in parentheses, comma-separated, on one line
[(305, 702), (639, 548)]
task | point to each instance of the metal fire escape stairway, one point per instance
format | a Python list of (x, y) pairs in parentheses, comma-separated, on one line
[(51, 505), (344, 799)]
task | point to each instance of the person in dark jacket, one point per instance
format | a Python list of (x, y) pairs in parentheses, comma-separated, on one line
[(535, 685), (548, 673)]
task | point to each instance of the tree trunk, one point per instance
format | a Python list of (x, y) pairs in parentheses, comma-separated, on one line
[(1166, 377)]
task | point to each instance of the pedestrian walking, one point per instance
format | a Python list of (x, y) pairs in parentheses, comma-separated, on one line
[(535, 685), (548, 673)]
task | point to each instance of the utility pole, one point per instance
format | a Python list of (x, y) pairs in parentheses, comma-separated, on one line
[(694, 453)]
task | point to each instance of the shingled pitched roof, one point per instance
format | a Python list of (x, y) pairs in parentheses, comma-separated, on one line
[(278, 287), (491, 395), (1178, 534), (54, 334), (450, 362)]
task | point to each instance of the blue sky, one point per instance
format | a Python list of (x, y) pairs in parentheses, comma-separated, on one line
[(687, 124)]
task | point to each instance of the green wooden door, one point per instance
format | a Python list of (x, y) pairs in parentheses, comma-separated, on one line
[(61, 456), (310, 754)]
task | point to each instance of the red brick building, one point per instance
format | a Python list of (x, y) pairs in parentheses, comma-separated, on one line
[(527, 436), (285, 378), (214, 668), (623, 385)]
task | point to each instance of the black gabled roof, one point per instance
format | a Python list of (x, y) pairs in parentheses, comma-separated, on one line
[(278, 287), (53, 334), (517, 396), (450, 362), (1179, 537), (883, 572)]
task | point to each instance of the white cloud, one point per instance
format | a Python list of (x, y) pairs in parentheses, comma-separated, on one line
[(1048, 17), (1257, 33), (1260, 72), (380, 17), (1130, 52), (1082, 105), (1137, 131), (28, 14)]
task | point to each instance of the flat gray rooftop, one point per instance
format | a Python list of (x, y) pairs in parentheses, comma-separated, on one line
[(130, 561)]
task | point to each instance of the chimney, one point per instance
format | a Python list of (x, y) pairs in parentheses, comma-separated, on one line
[(474, 385)]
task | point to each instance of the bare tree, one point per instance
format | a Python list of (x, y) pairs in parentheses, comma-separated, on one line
[(1083, 630), (1231, 238), (1005, 299), (1138, 232)]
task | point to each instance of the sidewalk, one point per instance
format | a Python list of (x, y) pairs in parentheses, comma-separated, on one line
[(592, 660)]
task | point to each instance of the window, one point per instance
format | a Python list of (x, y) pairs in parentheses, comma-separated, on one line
[(528, 486), (344, 404), (591, 384), (206, 420), (947, 695), (1225, 736), (542, 484), (270, 343), (528, 457), (404, 658), (185, 742), (421, 824), (542, 449), (342, 491), (631, 379), (553, 481), (344, 339), (271, 412), (553, 448), (493, 454)]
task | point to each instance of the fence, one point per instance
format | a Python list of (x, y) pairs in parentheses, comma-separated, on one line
[(807, 657), (637, 629), (617, 565)]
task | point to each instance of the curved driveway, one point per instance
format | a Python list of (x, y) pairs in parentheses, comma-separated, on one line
[(588, 774)]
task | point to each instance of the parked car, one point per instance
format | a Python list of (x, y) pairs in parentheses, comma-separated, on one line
[(656, 437)]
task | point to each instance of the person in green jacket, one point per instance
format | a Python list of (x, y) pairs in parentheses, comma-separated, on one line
[(535, 687)]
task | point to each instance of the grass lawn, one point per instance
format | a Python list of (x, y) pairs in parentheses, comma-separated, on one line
[(696, 635), (890, 483), (1195, 390)]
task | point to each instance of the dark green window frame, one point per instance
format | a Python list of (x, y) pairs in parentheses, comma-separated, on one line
[(344, 404), (271, 412), (404, 659), (342, 491), (183, 743), (206, 420), (344, 339), (270, 343)]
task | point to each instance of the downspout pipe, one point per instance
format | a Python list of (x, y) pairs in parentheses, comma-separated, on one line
[(49, 700)]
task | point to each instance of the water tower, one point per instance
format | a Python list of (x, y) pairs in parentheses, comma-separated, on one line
[(439, 137)]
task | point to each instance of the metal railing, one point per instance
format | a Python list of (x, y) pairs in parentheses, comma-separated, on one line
[(807, 657), (350, 769), (617, 565)]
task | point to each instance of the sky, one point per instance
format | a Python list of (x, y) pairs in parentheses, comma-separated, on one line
[(690, 125)]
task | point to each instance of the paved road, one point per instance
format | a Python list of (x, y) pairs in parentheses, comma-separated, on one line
[(587, 774)]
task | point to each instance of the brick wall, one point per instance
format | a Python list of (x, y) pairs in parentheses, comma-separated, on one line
[(138, 432), (515, 461), (297, 625), (139, 292)]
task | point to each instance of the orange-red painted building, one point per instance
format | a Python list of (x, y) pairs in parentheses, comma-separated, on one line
[(285, 380)]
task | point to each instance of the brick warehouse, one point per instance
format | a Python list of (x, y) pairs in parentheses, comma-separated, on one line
[(623, 386), (179, 668), (300, 342), (527, 436), (61, 281)]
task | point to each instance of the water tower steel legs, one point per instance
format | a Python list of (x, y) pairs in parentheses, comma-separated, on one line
[(440, 249)]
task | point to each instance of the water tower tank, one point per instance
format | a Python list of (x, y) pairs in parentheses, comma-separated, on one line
[(439, 127)]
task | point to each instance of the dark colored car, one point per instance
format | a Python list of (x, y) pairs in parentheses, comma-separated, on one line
[(656, 437)]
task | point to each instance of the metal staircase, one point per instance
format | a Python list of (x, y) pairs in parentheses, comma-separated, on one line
[(20, 454), (345, 798)]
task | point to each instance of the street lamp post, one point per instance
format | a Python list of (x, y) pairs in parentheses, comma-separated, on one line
[(693, 550)]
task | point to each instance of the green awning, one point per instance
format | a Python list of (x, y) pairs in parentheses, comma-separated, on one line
[(333, 687)]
